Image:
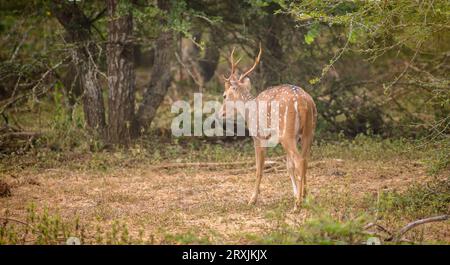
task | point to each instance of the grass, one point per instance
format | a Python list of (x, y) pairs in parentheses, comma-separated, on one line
[(320, 226), (116, 199), (156, 149), (392, 207), (323, 230), (114, 196), (43, 228), (418, 201), (189, 237)]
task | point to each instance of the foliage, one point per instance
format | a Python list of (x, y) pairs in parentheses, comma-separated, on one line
[(321, 228), (413, 28), (43, 228), (438, 160), (39, 229), (418, 201), (324, 40), (414, 32)]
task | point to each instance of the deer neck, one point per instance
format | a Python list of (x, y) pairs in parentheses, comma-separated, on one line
[(246, 98)]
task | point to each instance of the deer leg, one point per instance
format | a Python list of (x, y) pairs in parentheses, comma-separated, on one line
[(303, 166), (307, 134), (301, 163), (292, 152), (306, 142), (290, 169), (259, 154), (299, 166)]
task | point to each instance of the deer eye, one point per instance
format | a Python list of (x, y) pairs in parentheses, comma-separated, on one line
[(224, 96)]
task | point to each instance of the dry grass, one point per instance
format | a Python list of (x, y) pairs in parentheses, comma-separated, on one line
[(191, 205)]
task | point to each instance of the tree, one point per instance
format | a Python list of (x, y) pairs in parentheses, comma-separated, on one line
[(78, 33), (124, 123), (122, 127), (160, 76)]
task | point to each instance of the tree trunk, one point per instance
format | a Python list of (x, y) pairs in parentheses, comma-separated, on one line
[(273, 67), (159, 81), (160, 77), (204, 66), (77, 27), (209, 62), (121, 76), (72, 88), (93, 106)]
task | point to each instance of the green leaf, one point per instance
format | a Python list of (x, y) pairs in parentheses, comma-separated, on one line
[(309, 39), (314, 80), (312, 34)]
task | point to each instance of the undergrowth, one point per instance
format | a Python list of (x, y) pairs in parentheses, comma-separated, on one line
[(418, 201), (43, 228), (320, 228)]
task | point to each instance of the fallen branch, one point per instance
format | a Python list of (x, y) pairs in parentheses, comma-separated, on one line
[(275, 168), (20, 135), (275, 164), (397, 237), (206, 164), (420, 222), (15, 220), (200, 164), (370, 225)]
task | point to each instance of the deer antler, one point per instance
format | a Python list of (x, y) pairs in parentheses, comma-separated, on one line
[(233, 64), (254, 65)]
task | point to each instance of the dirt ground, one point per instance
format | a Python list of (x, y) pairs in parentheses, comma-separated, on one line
[(209, 203)]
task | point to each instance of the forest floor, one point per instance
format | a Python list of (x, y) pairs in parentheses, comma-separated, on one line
[(138, 201)]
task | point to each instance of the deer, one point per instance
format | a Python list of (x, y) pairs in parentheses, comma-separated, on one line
[(297, 118)]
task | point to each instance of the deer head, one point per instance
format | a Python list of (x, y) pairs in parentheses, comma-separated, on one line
[(237, 87)]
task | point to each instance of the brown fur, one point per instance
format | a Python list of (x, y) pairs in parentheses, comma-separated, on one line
[(297, 121)]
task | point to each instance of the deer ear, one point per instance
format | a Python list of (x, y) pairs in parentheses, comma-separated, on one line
[(246, 84), (246, 81)]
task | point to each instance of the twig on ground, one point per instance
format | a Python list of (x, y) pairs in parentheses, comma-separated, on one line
[(25, 135), (397, 237), (382, 228), (275, 164), (419, 222), (6, 219), (206, 164)]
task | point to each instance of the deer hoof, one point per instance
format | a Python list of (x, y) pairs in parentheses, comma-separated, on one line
[(297, 206), (296, 209), (252, 201)]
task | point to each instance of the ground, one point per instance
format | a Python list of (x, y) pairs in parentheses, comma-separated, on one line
[(209, 204)]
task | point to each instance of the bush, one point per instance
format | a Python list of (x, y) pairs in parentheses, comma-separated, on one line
[(418, 201)]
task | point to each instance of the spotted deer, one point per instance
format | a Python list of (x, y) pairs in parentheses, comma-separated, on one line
[(297, 116)]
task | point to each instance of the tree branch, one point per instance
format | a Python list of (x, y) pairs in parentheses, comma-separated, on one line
[(419, 222)]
